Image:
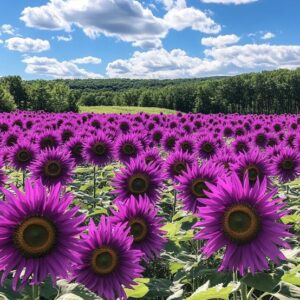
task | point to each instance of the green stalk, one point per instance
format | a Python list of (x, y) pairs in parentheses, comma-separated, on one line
[(23, 178), (243, 291), (94, 183), (35, 292), (234, 277), (174, 203)]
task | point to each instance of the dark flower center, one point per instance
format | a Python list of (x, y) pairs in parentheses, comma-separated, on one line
[(241, 146), (171, 142), (139, 229), (77, 150), (11, 140), (149, 159), (179, 167), (186, 146), (35, 237), (287, 164), (253, 173), (104, 260), (53, 168), (99, 148), (241, 223), (208, 148), (48, 142), (67, 135), (157, 136), (129, 149), (138, 184), (23, 156), (260, 139), (198, 187)]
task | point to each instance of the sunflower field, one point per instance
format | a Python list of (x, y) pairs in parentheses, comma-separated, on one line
[(149, 206)]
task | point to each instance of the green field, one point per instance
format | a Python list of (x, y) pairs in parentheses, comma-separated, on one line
[(125, 109)]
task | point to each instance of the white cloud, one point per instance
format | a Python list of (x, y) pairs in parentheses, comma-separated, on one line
[(27, 44), (87, 60), (268, 36), (236, 2), (8, 29), (126, 20), (160, 63), (1, 41), (148, 44), (220, 41), (62, 38), (181, 17), (51, 67), (254, 56)]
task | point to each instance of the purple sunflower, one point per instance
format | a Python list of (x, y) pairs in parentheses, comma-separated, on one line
[(151, 155), (186, 144), (193, 182), (127, 147), (48, 139), (206, 147), (141, 217), (138, 179), (38, 232), (255, 164), (246, 221), (106, 262), (53, 166), (178, 162), (98, 150), (22, 155), (75, 147), (286, 165)]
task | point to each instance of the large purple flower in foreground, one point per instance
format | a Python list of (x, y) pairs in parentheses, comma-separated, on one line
[(136, 179), (287, 164), (141, 217), (106, 262), (53, 166), (246, 221), (192, 184), (38, 234)]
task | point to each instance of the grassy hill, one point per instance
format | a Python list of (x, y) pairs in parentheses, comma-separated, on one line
[(125, 109)]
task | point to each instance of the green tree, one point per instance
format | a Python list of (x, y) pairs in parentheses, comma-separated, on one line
[(7, 103)]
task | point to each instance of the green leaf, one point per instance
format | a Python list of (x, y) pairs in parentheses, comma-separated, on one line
[(175, 266), (293, 276), (262, 281), (139, 290), (217, 292)]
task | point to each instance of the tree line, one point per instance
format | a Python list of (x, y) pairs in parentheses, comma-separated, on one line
[(264, 92)]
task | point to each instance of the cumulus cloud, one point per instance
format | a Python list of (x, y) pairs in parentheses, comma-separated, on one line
[(159, 63), (27, 44), (1, 42), (236, 2), (87, 60), (8, 29), (51, 67), (63, 38), (127, 20), (268, 36), (220, 41), (181, 17)]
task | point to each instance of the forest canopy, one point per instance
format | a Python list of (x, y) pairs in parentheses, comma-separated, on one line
[(265, 92)]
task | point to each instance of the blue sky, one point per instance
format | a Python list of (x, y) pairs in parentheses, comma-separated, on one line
[(147, 39)]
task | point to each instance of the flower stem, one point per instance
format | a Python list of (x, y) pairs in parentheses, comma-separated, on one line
[(35, 292), (94, 183), (243, 291), (234, 277), (23, 179), (174, 204)]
